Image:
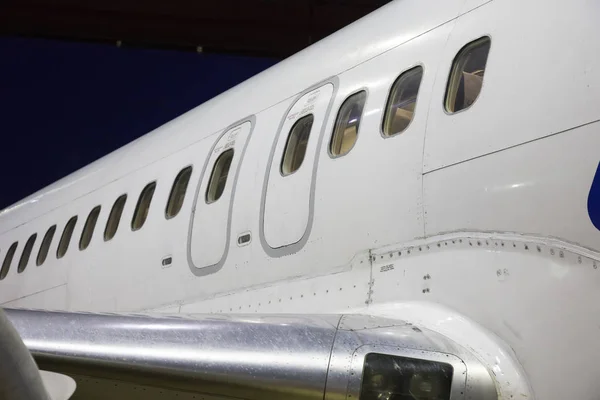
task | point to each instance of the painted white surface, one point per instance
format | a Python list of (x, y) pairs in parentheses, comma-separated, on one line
[(287, 198), (210, 224), (508, 175), (58, 386)]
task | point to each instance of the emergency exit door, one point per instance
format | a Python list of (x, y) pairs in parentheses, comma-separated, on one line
[(287, 200), (212, 210)]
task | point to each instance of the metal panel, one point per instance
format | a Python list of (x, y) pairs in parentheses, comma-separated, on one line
[(287, 199), (530, 90), (250, 357)]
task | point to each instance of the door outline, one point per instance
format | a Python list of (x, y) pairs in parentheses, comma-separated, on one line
[(211, 269), (297, 246)]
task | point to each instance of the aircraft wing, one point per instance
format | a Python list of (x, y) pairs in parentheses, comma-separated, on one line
[(292, 357)]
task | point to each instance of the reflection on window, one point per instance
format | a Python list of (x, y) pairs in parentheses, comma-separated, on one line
[(218, 178), (88, 228), (143, 207), (43, 253), (178, 192), (114, 218), (466, 77), (26, 253), (295, 148), (65, 238), (401, 378), (345, 131), (8, 260), (402, 101)]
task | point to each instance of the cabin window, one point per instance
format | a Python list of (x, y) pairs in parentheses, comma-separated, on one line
[(43, 253), (218, 178), (295, 148), (26, 253), (8, 260), (345, 131), (178, 192), (402, 101), (143, 206), (65, 238), (88, 228), (114, 218), (466, 76)]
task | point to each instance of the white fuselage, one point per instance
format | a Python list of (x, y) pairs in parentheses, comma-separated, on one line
[(484, 211)]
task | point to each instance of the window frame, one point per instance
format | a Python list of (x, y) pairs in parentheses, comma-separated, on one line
[(26, 254), (46, 243), (333, 131), (287, 143), (96, 210), (73, 219), (212, 176), (458, 54), (150, 185), (172, 192), (8, 259), (112, 215), (389, 99)]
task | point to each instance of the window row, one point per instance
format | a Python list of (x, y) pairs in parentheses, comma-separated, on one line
[(215, 188), (463, 87)]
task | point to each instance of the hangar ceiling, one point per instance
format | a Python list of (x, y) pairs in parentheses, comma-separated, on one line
[(276, 28)]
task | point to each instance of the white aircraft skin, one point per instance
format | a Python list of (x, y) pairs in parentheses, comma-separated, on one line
[(478, 224)]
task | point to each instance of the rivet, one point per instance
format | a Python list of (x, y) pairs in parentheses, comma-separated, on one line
[(391, 255), (420, 248), (561, 254), (445, 243), (526, 247), (539, 249), (551, 251), (579, 259), (408, 251), (438, 245), (514, 245), (470, 244), (460, 241), (478, 243)]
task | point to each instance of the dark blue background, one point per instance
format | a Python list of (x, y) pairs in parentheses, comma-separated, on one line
[(67, 104)]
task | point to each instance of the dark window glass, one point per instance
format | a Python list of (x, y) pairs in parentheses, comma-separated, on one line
[(402, 102), (218, 178), (8, 260), (43, 253), (88, 228), (345, 131), (143, 207), (466, 76), (26, 253), (65, 238), (114, 218), (295, 148), (178, 192)]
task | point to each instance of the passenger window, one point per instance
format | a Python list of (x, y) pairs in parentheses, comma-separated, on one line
[(142, 207), (26, 253), (43, 253), (65, 238), (295, 148), (8, 260), (218, 178), (114, 218), (466, 76), (400, 108), (178, 192), (88, 228), (345, 131)]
